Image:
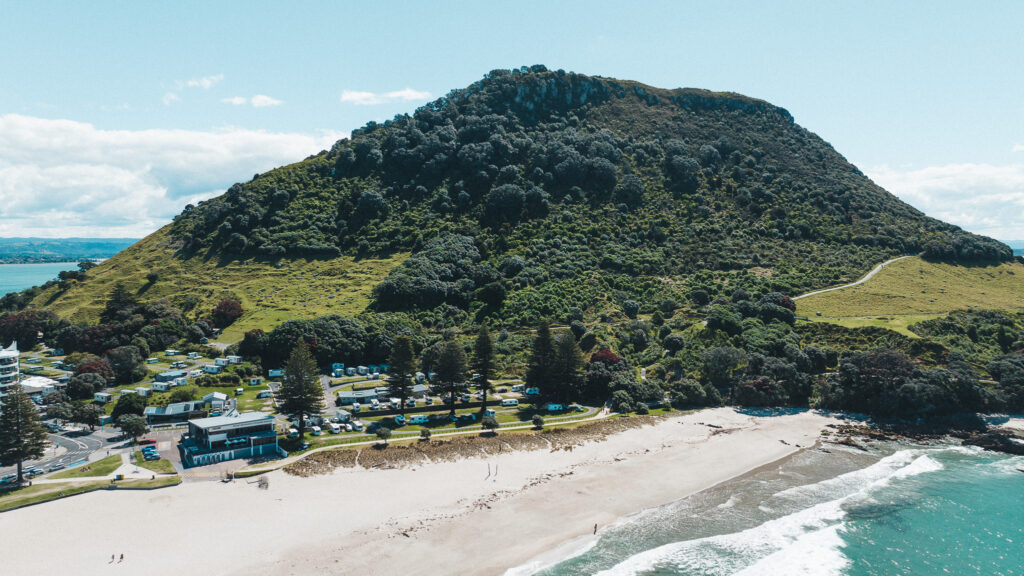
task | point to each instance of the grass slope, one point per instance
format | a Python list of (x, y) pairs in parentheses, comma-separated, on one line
[(270, 295), (99, 468), (913, 290)]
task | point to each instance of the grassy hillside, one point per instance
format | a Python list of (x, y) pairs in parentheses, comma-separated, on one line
[(913, 290), (270, 294)]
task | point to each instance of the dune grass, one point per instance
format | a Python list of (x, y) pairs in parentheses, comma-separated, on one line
[(268, 293), (913, 290)]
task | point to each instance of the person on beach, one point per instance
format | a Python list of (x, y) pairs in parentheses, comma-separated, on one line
[(595, 529), (112, 558), (122, 558)]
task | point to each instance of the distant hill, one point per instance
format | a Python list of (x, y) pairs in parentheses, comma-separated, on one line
[(529, 193), (32, 250)]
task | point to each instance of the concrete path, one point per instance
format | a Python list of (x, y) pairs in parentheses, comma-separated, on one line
[(866, 277)]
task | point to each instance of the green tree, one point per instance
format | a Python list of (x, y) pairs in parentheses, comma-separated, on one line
[(489, 423), (126, 361), (538, 421), (128, 404), (88, 414), (22, 437), (383, 432), (566, 371), (63, 411), (182, 394), (483, 363), (451, 369), (403, 365), (301, 394), (132, 425), (542, 355)]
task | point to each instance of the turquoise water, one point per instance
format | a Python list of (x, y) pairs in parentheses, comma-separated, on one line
[(901, 511), (17, 277)]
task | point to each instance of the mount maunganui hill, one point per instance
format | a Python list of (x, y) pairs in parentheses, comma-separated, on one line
[(528, 194)]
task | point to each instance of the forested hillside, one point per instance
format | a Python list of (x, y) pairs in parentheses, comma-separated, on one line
[(665, 229)]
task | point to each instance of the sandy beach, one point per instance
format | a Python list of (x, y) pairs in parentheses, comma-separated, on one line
[(482, 515)]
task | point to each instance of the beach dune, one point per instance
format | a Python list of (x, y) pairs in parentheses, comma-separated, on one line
[(485, 515)]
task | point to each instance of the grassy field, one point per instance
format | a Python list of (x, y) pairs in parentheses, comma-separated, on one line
[(912, 290), (43, 492), (98, 468), (161, 466), (269, 295)]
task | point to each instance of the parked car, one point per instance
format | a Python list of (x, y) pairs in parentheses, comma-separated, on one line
[(55, 467), (429, 401), (145, 441), (399, 420), (357, 425)]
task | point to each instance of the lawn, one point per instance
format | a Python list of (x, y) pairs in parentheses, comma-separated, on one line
[(43, 492), (268, 293), (161, 466), (102, 467), (913, 289)]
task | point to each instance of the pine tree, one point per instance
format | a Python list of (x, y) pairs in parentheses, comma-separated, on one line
[(403, 365), (483, 363), (301, 394), (22, 437), (451, 369), (567, 370), (542, 353)]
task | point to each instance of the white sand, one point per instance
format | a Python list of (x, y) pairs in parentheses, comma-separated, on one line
[(352, 521)]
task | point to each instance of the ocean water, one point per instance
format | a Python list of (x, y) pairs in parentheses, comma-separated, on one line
[(17, 277), (898, 511)]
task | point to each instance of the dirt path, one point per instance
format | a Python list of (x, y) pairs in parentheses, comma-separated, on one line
[(866, 277)]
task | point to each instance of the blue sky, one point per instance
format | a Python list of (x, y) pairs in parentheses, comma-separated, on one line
[(114, 114)]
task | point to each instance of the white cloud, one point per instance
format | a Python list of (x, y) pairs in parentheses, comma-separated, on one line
[(262, 101), (982, 198), (170, 98), (373, 98), (61, 178), (257, 101), (1018, 148), (206, 82)]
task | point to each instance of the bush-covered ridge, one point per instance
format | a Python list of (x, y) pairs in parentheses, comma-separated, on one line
[(557, 176)]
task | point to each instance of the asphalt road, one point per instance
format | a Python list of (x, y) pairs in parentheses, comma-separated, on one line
[(78, 449)]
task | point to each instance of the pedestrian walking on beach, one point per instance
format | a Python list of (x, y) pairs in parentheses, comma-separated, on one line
[(595, 529), (112, 558), (122, 558)]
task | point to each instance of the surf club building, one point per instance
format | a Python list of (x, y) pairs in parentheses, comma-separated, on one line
[(228, 437)]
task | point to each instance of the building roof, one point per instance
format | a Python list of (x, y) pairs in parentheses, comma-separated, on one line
[(229, 419), (176, 408), (10, 351), (39, 382), (358, 394), (215, 396), (173, 373)]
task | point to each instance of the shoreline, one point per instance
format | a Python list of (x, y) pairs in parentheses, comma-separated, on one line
[(416, 519)]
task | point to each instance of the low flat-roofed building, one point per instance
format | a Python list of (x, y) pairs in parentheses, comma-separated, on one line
[(228, 437), (175, 413), (170, 375), (358, 396)]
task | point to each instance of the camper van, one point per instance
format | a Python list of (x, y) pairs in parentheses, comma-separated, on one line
[(335, 429), (316, 430), (419, 419), (239, 391), (510, 402), (263, 394)]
